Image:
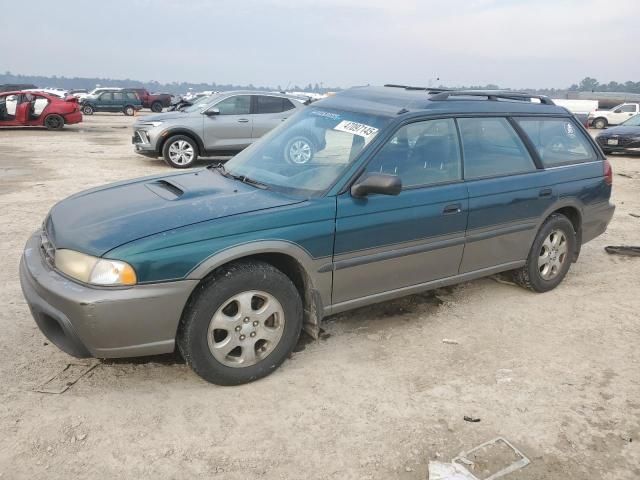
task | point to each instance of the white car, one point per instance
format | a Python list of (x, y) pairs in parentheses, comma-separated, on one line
[(615, 116), (96, 91)]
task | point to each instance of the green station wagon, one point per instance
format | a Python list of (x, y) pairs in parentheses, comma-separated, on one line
[(408, 190)]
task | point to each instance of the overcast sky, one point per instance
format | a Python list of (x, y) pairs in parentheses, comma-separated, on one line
[(513, 43)]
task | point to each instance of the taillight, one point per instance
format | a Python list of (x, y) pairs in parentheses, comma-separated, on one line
[(608, 172)]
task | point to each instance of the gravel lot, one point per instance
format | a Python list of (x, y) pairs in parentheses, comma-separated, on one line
[(378, 397)]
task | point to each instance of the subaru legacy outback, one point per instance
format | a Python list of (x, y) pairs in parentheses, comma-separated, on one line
[(406, 191)]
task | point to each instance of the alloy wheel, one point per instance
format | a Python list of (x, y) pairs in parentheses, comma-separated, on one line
[(300, 152), (553, 255), (181, 152), (246, 329)]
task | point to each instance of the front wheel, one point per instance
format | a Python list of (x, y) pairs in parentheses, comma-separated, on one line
[(87, 110), (242, 323), (54, 122), (180, 151), (550, 256)]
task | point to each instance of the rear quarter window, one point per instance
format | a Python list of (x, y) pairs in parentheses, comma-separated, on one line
[(557, 140)]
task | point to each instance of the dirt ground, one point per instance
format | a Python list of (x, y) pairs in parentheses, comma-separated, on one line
[(378, 397)]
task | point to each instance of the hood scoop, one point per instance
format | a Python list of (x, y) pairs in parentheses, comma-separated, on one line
[(166, 189)]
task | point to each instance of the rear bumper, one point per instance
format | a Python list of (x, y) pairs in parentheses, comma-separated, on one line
[(101, 322), (71, 118), (596, 219)]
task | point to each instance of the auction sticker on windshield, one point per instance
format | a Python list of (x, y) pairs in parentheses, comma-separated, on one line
[(355, 128)]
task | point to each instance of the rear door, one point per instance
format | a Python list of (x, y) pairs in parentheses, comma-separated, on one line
[(269, 112), (384, 243), (230, 129), (508, 193)]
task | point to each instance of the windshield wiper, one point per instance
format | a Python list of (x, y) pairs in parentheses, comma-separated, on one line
[(243, 178)]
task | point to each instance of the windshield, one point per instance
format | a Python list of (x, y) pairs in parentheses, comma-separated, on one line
[(200, 103), (632, 122), (307, 154)]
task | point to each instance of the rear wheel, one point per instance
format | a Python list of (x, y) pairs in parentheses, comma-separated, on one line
[(87, 110), (129, 110), (600, 123), (180, 151), (54, 122), (299, 150), (242, 323), (156, 107), (550, 256)]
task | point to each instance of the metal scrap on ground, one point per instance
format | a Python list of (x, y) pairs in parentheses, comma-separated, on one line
[(628, 251)]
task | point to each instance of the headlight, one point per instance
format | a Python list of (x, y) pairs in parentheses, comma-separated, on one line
[(96, 271)]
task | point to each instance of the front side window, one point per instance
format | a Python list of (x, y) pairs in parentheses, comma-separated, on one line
[(106, 97), (492, 148), (267, 104), (305, 155), (632, 122), (557, 140), (627, 108), (421, 153), (236, 105)]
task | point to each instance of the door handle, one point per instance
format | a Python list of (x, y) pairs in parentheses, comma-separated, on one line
[(452, 209), (243, 120), (545, 192)]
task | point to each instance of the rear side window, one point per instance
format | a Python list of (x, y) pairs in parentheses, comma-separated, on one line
[(270, 104), (492, 148), (557, 141)]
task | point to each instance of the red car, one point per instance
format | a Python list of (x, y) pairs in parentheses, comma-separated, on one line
[(38, 109)]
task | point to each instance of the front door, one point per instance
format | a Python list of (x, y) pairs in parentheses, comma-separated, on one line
[(104, 102), (386, 243), (230, 129), (8, 108)]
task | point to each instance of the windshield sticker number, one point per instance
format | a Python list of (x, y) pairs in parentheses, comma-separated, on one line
[(325, 114), (355, 128)]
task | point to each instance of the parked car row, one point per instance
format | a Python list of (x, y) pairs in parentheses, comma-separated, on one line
[(615, 116)]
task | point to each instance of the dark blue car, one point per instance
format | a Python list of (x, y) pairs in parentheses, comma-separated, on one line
[(406, 191)]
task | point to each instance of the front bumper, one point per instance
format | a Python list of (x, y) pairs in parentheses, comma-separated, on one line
[(101, 322), (144, 142)]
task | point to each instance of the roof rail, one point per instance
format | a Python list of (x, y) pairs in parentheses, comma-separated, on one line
[(493, 95), (426, 89)]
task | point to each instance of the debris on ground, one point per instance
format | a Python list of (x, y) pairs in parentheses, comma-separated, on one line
[(503, 280), (635, 215), (450, 341), (64, 379), (471, 419), (491, 460), (628, 251), (448, 471), (625, 175)]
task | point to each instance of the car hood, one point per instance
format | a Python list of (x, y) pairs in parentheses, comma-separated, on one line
[(101, 219), (621, 130), (161, 117)]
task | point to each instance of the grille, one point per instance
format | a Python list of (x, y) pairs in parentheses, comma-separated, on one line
[(47, 249)]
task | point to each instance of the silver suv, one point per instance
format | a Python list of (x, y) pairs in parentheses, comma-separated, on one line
[(224, 124)]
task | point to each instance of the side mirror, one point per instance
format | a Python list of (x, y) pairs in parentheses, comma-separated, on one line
[(212, 111), (381, 183), (617, 110)]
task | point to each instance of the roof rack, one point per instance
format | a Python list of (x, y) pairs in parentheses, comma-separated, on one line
[(426, 89), (493, 95)]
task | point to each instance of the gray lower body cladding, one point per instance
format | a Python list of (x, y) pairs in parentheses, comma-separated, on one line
[(101, 322)]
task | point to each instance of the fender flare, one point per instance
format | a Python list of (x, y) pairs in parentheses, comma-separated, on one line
[(166, 134)]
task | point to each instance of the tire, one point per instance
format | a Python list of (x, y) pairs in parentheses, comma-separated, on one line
[(180, 151), (54, 122), (548, 262), (216, 303), (156, 107), (128, 110), (299, 150), (87, 110), (600, 123)]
